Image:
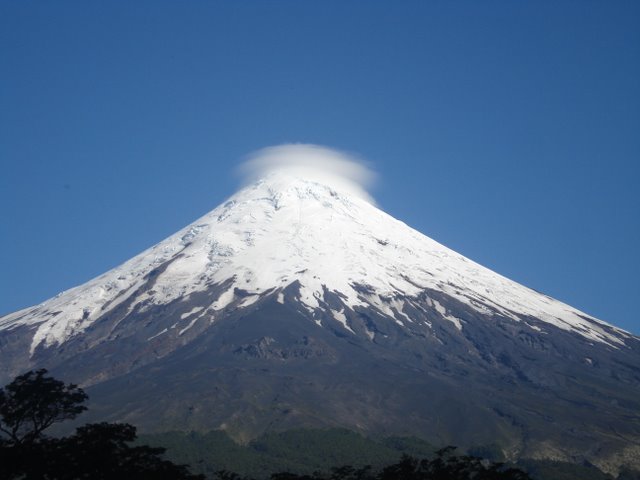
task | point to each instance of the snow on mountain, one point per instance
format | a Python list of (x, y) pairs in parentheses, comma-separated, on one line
[(263, 315), (322, 231)]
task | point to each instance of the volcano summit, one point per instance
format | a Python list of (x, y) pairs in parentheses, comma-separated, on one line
[(298, 303)]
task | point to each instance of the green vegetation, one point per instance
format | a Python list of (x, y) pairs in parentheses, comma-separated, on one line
[(298, 451), (307, 451), (33, 402)]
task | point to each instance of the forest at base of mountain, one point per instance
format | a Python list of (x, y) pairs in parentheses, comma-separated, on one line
[(306, 451)]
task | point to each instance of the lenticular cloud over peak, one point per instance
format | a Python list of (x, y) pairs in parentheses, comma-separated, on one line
[(313, 162)]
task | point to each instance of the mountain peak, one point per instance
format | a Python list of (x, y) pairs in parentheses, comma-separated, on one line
[(316, 228)]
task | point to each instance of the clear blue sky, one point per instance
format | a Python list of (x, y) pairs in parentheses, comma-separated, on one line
[(509, 131)]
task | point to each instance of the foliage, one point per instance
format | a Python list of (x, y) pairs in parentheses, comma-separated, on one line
[(413, 446), (102, 451), (444, 466), (323, 449), (301, 451), (491, 452), (304, 452), (33, 402)]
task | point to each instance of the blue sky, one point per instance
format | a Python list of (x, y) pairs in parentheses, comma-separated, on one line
[(506, 130)]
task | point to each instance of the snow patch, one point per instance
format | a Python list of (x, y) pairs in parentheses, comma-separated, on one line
[(157, 334), (223, 300), (191, 312), (443, 312), (191, 324), (250, 300), (341, 317)]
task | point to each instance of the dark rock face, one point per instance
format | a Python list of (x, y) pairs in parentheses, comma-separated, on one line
[(275, 365), (268, 348)]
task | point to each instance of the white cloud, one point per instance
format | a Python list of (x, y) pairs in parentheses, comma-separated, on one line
[(342, 171)]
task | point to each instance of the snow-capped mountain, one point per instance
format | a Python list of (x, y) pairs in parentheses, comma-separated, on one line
[(299, 302), (286, 229)]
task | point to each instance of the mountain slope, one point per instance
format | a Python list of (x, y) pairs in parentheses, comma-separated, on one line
[(298, 303), (285, 229)]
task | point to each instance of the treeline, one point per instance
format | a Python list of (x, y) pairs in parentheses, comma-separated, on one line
[(33, 402), (305, 451), (302, 451), (445, 466)]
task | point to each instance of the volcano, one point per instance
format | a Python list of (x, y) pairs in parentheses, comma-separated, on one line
[(299, 303)]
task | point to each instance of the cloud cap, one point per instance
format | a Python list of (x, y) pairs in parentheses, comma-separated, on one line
[(340, 170)]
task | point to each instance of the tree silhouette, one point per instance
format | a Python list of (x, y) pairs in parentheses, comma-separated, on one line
[(348, 472), (33, 402), (103, 451), (444, 466)]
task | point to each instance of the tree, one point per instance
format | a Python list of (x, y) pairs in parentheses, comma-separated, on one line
[(33, 402), (347, 472), (408, 468), (103, 451)]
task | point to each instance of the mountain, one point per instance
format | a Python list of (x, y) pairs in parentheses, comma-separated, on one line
[(298, 303)]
